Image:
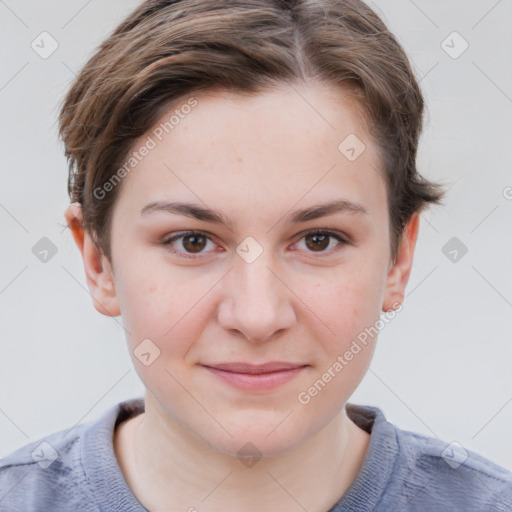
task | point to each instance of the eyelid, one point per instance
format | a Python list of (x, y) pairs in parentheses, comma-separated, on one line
[(325, 231)]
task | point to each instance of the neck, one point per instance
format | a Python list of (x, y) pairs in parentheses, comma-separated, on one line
[(169, 468)]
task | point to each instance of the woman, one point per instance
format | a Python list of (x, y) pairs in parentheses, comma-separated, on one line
[(244, 193)]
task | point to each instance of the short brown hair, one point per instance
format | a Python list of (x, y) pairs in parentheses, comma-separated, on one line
[(167, 49)]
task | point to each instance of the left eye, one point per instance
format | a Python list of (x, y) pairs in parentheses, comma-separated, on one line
[(193, 242), (321, 240)]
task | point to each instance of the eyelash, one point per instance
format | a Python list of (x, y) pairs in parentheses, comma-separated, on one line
[(333, 234)]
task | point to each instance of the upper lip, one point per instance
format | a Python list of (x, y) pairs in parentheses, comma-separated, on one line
[(239, 367)]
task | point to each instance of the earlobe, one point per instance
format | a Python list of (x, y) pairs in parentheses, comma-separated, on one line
[(98, 271), (400, 270)]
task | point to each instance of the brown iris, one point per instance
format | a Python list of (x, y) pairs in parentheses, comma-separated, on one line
[(194, 243), (319, 241)]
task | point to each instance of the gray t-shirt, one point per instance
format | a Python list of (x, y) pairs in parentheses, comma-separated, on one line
[(76, 470)]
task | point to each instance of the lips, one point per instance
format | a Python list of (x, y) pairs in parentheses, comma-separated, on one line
[(254, 378), (239, 367)]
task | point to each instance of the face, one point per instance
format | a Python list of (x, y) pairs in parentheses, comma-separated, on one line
[(261, 286)]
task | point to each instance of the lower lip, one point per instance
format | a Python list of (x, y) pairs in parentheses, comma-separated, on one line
[(256, 381)]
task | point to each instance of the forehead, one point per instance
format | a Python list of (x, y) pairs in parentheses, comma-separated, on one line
[(288, 116), (278, 147)]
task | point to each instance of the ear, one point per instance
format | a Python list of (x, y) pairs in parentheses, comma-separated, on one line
[(400, 270), (99, 275)]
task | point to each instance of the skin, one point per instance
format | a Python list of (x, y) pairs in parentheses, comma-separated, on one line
[(255, 160)]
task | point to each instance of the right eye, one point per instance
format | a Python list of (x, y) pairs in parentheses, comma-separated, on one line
[(193, 241)]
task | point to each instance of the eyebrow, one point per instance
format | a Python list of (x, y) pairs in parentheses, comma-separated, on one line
[(198, 212)]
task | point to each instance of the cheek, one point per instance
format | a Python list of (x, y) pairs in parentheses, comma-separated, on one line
[(349, 310), (170, 310), (348, 307), (345, 302), (163, 320)]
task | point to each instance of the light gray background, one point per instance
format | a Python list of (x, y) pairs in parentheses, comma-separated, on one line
[(442, 367)]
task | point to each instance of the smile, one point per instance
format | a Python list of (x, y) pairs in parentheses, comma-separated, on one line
[(256, 378)]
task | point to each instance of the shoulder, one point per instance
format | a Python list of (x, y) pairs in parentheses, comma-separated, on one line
[(43, 474), (72, 469), (407, 471), (450, 476)]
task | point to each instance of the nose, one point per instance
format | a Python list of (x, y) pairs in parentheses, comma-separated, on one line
[(257, 302)]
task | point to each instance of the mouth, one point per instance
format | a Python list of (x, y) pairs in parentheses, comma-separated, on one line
[(260, 377)]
